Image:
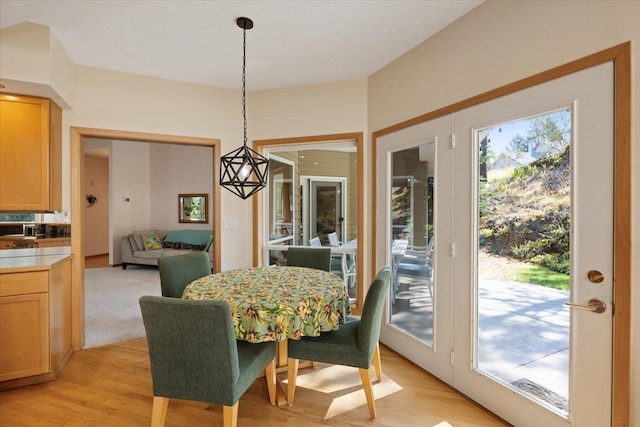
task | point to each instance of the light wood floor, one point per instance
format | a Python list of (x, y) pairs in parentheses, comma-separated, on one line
[(111, 386)]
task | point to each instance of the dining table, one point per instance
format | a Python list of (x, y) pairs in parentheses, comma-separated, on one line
[(276, 303)]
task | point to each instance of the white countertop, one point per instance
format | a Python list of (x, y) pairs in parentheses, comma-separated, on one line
[(32, 259)]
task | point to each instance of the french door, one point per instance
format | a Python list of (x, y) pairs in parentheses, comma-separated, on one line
[(521, 268), (417, 164), (325, 210)]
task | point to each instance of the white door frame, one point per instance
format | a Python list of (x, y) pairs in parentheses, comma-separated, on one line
[(307, 216), (623, 254)]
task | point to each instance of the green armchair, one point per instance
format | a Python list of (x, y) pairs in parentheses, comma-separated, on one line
[(318, 258), (195, 356), (354, 344), (177, 271)]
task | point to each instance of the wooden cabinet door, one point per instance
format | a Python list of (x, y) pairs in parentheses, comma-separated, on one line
[(53, 243), (24, 325), (6, 244), (30, 154)]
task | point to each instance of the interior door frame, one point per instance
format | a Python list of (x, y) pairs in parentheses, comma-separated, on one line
[(307, 181), (258, 229), (620, 55), (77, 207)]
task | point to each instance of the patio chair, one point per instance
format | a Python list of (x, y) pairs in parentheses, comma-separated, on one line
[(315, 242), (176, 272), (417, 263), (192, 360), (300, 256), (354, 344), (349, 272), (333, 239)]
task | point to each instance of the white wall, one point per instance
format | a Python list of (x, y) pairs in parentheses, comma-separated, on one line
[(121, 101), (329, 108), (151, 176), (34, 62), (177, 169), (129, 178), (501, 42)]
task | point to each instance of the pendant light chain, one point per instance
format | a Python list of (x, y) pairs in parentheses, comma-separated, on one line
[(244, 66), (244, 171)]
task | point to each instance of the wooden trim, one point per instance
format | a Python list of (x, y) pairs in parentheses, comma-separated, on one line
[(259, 145), (623, 172), (620, 55), (374, 205), (77, 207)]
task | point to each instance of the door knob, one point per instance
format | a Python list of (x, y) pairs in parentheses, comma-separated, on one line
[(594, 304)]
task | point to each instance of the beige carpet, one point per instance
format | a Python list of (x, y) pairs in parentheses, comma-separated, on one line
[(112, 313)]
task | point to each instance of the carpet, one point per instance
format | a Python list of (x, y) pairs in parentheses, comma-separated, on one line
[(112, 313)]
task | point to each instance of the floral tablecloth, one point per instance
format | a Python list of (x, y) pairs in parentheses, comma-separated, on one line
[(276, 303)]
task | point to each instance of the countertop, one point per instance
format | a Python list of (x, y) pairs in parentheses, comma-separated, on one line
[(32, 259), (32, 238)]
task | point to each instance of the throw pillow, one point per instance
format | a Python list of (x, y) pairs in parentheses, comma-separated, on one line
[(134, 244), (151, 242)]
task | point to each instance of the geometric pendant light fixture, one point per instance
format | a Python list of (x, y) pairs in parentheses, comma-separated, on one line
[(243, 171)]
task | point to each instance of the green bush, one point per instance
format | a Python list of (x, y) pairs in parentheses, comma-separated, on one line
[(556, 262)]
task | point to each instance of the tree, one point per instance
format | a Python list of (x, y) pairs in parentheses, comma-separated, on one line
[(548, 134), (518, 145)]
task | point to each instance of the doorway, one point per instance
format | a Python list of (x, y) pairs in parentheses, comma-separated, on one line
[(322, 157), (325, 214), (96, 210), (78, 199), (467, 368)]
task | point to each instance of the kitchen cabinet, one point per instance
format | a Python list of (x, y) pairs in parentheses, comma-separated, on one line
[(52, 242), (30, 154), (35, 320), (15, 241)]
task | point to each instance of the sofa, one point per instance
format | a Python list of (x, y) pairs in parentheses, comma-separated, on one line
[(144, 247)]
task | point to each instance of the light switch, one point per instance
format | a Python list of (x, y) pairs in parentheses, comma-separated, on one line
[(230, 224)]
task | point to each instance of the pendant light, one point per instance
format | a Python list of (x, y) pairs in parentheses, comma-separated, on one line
[(244, 171)]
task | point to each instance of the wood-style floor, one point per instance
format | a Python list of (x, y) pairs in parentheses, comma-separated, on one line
[(111, 386)]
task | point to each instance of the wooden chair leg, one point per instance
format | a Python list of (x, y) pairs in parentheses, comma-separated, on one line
[(376, 362), (159, 411), (292, 374), (230, 415), (270, 376), (365, 376)]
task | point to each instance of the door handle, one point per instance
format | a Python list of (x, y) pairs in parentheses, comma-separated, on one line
[(594, 304)]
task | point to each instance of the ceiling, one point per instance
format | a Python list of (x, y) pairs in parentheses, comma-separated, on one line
[(293, 43)]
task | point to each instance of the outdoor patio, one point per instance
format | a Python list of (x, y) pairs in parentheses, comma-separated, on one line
[(523, 332)]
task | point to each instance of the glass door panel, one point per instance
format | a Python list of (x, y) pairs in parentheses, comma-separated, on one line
[(281, 208), (326, 209), (534, 214), (523, 255), (412, 241), (415, 187)]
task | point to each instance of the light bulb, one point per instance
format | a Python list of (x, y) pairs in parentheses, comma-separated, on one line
[(244, 171)]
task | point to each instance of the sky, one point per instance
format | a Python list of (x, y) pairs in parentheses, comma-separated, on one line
[(501, 135)]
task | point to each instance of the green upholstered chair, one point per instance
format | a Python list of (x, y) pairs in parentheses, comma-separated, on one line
[(301, 256), (177, 271), (354, 344), (195, 356)]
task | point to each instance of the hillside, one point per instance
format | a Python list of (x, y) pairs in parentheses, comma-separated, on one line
[(526, 215)]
